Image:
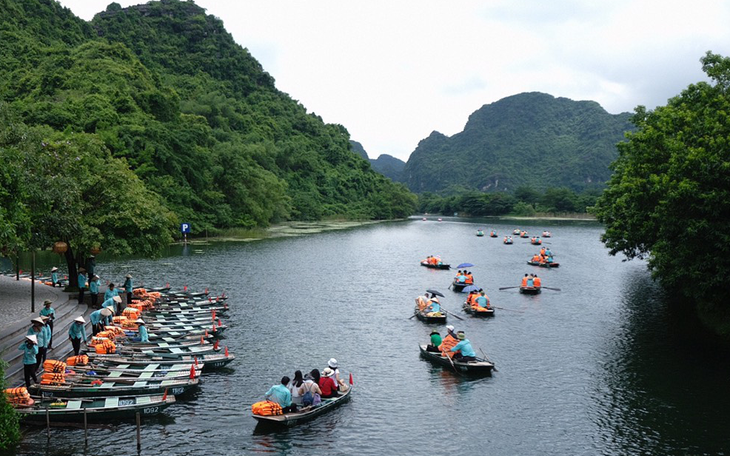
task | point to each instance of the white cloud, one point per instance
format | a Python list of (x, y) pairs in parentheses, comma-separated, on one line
[(392, 72)]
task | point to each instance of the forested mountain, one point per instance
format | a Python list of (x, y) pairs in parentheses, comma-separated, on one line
[(530, 139), (359, 149), (388, 166), (165, 88)]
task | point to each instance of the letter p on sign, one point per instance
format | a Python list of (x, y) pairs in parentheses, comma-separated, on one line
[(185, 227)]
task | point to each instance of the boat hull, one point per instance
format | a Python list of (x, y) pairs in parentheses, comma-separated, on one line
[(127, 408), (530, 290), (543, 265), (479, 367), (292, 419), (430, 319), (436, 266), (478, 313)]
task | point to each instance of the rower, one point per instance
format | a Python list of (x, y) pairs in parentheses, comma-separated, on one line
[(449, 341), (463, 350)]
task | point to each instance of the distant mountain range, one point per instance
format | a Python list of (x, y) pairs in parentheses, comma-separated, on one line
[(385, 164), (530, 139)]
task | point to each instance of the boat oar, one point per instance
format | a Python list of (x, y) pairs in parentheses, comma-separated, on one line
[(554, 289), (451, 361), (511, 310), (487, 358), (455, 316), (507, 288), (412, 316)]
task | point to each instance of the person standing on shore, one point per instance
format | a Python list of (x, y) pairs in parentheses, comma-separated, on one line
[(29, 347), (54, 276), (94, 283), (77, 334), (39, 332), (128, 288), (82, 284), (50, 312), (110, 294)]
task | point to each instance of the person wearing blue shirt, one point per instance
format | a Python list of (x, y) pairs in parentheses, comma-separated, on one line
[(281, 395), (82, 284), (94, 290), (144, 336), (110, 304), (110, 293), (77, 334), (464, 350), (128, 288), (482, 300), (50, 312), (29, 347), (96, 319), (54, 276), (41, 341), (433, 306)]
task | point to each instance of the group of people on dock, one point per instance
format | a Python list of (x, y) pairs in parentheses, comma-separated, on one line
[(544, 256), (93, 283), (307, 390), (531, 280), (464, 277), (478, 299), (454, 345)]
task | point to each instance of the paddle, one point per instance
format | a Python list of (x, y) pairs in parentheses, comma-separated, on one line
[(554, 289), (455, 316), (511, 310), (443, 353), (411, 316), (507, 288), (487, 358)]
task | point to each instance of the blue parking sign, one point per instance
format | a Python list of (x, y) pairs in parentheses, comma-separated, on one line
[(185, 227)]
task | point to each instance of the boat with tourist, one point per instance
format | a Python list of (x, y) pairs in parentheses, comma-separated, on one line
[(478, 367), (304, 414)]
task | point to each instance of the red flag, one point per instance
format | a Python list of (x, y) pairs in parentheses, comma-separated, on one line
[(213, 314), (215, 345), (185, 288), (206, 333), (167, 285), (220, 323), (202, 341), (226, 351), (195, 358), (192, 371), (164, 396), (206, 291), (214, 330), (351, 378)]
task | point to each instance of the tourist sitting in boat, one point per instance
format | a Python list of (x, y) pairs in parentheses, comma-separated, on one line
[(294, 385), (536, 258), (548, 252), (469, 278), (460, 276), (435, 342), (310, 392), (472, 296), (332, 364), (524, 279), (463, 350), (449, 341), (542, 252), (530, 281), (433, 306), (281, 395), (549, 259), (327, 383), (482, 301), (536, 281)]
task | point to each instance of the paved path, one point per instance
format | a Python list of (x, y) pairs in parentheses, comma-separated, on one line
[(15, 300)]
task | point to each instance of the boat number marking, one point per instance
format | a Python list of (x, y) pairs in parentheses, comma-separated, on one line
[(151, 410)]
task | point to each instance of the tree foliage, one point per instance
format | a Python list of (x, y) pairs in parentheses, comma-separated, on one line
[(9, 418), (669, 197)]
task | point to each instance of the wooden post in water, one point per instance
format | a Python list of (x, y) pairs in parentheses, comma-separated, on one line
[(86, 430), (139, 437), (48, 423)]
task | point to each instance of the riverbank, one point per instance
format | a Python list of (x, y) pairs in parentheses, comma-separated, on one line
[(15, 305)]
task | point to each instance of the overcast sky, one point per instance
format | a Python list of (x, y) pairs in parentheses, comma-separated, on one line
[(393, 71)]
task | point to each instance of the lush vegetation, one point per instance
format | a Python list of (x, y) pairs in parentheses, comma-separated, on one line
[(669, 197), (9, 419), (524, 201), (527, 139), (114, 131)]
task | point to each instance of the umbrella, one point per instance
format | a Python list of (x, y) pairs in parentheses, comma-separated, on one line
[(469, 289), (107, 312), (437, 293), (465, 265)]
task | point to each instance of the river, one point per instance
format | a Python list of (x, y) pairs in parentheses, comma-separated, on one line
[(599, 367)]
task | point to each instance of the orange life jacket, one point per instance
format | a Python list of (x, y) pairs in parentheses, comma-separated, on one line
[(266, 408), (469, 279), (542, 251), (447, 344), (524, 280), (536, 281)]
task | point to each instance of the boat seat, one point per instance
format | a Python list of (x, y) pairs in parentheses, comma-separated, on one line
[(141, 400), (115, 374), (139, 384), (146, 374), (176, 350), (73, 405), (163, 345), (167, 382), (107, 385), (111, 402), (151, 367)]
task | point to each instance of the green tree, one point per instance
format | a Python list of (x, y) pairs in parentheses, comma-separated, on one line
[(9, 419), (669, 197)]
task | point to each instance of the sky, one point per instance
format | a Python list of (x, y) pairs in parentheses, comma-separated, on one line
[(393, 71)]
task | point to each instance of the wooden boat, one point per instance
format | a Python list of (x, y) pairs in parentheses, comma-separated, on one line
[(208, 362), (493, 234), (536, 241), (508, 241), (459, 286), (530, 290), (435, 266), (196, 350), (524, 234), (95, 371), (480, 233), (126, 345), (516, 231), (102, 409), (305, 413), (141, 370), (543, 264), (82, 387), (478, 313), (478, 367), (423, 316), (546, 234)]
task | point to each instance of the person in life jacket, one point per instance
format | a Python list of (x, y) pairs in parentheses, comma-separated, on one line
[(530, 281), (463, 349), (548, 252), (536, 280), (524, 279), (482, 301), (448, 342), (461, 276), (433, 304), (542, 252), (536, 259), (472, 296), (469, 278)]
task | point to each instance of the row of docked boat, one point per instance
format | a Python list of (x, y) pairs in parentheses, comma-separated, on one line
[(121, 376)]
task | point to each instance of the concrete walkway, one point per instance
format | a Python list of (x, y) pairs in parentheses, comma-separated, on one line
[(15, 300)]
